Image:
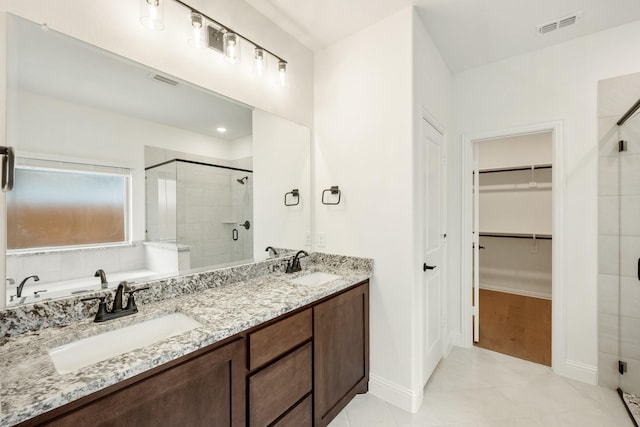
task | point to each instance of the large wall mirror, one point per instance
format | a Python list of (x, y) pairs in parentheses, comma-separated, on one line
[(131, 171)]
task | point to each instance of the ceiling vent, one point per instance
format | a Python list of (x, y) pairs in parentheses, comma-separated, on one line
[(565, 22), (162, 79)]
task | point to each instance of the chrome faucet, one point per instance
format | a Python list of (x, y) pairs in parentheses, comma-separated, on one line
[(294, 265), (21, 285), (116, 311), (103, 277)]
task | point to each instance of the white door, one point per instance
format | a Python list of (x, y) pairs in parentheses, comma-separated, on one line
[(434, 242)]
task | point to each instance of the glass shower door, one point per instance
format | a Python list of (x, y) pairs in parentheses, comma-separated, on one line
[(629, 268)]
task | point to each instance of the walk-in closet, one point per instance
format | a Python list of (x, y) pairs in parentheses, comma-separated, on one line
[(512, 265)]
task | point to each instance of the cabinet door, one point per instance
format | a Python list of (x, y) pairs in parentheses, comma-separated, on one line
[(205, 391), (341, 352)]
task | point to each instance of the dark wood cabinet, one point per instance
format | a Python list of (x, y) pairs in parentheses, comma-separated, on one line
[(207, 390), (298, 370), (281, 370), (341, 352), (278, 387)]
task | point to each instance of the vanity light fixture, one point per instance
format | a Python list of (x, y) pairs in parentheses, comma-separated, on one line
[(282, 73), (231, 47), (196, 31), (152, 14), (206, 31), (261, 60)]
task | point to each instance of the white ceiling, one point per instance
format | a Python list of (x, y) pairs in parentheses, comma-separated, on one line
[(51, 64), (468, 33)]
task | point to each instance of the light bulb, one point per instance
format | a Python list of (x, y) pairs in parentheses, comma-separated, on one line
[(282, 73), (196, 31), (151, 14), (231, 43), (261, 61)]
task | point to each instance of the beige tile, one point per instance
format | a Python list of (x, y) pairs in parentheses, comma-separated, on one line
[(369, 411), (525, 394), (608, 370), (608, 137), (630, 297), (608, 176), (630, 174), (340, 420), (608, 294), (608, 254), (608, 220), (629, 250), (629, 214)]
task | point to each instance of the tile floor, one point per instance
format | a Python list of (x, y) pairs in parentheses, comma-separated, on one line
[(477, 387)]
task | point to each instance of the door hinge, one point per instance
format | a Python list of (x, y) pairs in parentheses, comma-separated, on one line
[(474, 310), (622, 367)]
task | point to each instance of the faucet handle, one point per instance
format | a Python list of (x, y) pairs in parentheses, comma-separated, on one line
[(102, 307), (131, 302)]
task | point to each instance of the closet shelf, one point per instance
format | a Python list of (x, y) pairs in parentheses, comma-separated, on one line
[(516, 168), (516, 235), (510, 187)]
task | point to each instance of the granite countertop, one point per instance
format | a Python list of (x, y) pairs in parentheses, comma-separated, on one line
[(30, 385)]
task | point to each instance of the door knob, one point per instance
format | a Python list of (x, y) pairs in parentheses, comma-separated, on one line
[(426, 267)]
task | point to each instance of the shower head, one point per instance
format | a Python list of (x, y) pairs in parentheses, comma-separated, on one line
[(242, 180)]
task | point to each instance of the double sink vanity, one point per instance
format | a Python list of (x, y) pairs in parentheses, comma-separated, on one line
[(212, 342), (244, 345)]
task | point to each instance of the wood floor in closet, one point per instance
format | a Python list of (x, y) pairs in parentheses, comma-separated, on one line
[(516, 325)]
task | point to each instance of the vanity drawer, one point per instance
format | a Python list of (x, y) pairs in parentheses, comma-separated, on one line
[(276, 339), (300, 416), (276, 388)]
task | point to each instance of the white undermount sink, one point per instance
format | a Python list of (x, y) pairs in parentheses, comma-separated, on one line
[(315, 279), (87, 351)]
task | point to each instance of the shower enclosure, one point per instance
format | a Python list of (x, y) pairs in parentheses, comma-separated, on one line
[(619, 239), (206, 210)]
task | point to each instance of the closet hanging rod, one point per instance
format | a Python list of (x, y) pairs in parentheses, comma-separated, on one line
[(520, 168), (630, 112), (519, 236)]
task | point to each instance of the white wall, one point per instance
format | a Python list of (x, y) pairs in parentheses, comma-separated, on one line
[(521, 150), (556, 83), (366, 120), (431, 93)]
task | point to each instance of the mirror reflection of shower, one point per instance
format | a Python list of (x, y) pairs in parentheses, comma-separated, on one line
[(199, 211)]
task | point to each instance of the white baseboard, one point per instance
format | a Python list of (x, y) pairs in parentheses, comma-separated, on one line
[(457, 340), (578, 371), (395, 394), (523, 292)]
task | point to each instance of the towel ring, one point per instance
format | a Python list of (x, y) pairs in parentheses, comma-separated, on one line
[(333, 190), (294, 193)]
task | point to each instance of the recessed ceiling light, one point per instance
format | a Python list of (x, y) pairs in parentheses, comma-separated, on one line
[(221, 129)]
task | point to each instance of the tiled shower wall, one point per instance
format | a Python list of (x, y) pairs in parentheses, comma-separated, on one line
[(618, 247), (207, 213)]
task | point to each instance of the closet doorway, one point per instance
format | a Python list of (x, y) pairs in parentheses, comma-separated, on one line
[(470, 240), (512, 228)]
